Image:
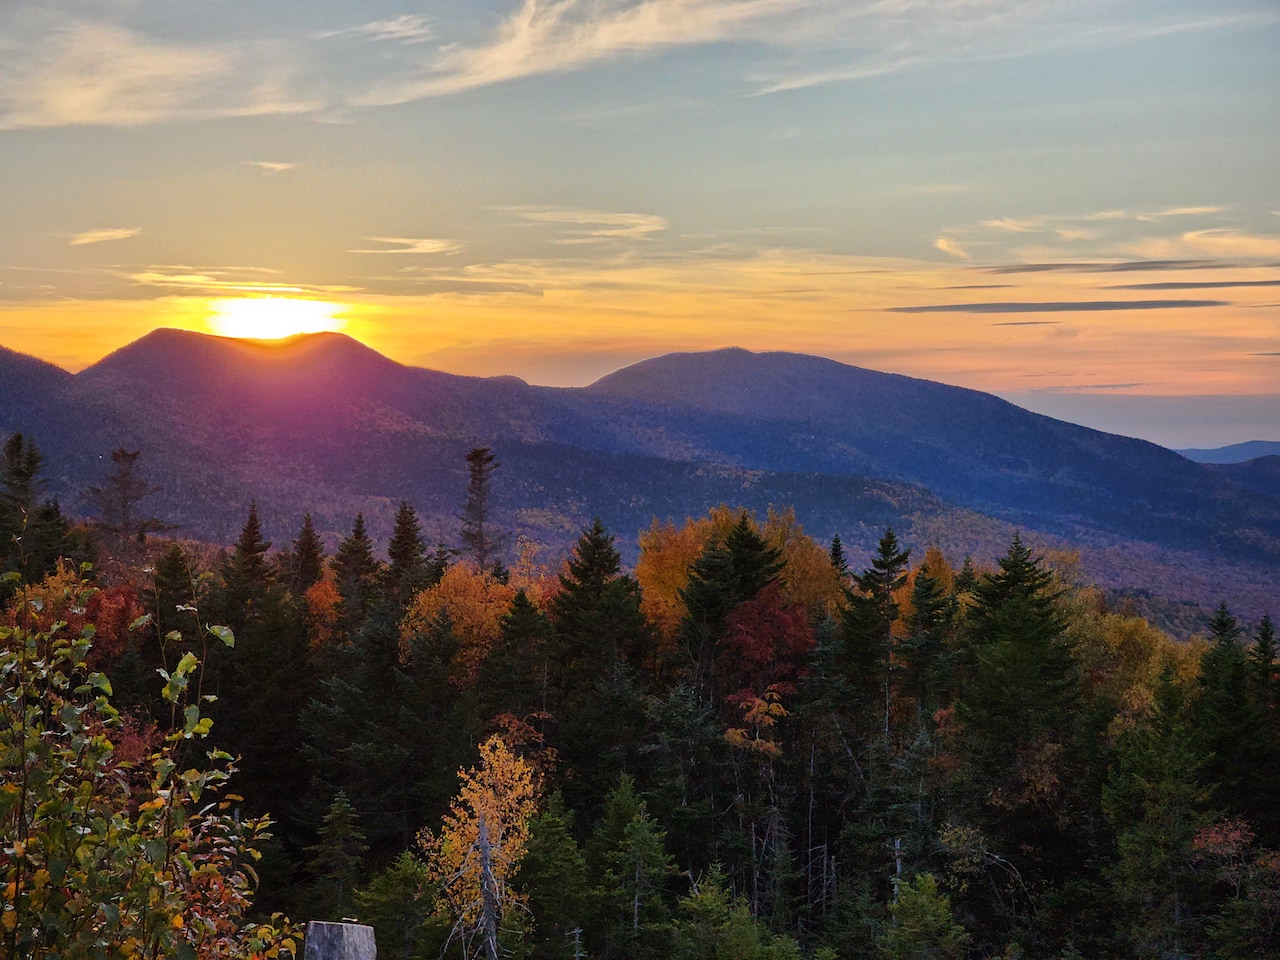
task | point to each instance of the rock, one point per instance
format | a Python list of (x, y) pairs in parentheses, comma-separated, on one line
[(339, 941)]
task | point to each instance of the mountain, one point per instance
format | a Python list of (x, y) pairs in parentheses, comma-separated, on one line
[(325, 424), (1261, 474), (1235, 453)]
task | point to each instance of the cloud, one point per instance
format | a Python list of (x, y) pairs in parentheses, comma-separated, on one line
[(406, 28), (1060, 306), (1010, 225), (92, 73), (103, 235), (411, 245), (1196, 285), (271, 166), (557, 36), (1026, 323), (1214, 243), (189, 279), (595, 225), (1181, 212), (1112, 266), (952, 247)]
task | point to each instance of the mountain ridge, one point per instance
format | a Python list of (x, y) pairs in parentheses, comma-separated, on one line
[(325, 423)]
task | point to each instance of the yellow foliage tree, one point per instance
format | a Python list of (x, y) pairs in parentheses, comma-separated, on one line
[(481, 843), (475, 603)]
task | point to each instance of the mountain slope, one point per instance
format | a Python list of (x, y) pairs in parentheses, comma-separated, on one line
[(325, 424)]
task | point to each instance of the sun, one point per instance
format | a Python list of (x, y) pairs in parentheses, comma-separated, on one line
[(271, 318)]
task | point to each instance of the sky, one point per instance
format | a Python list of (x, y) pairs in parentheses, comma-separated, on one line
[(1074, 204)]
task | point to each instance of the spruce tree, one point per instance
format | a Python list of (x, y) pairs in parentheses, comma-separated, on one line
[(338, 857), (1232, 726), (867, 621), (727, 573), (118, 501), (247, 574), (407, 571), (1266, 675), (479, 537), (553, 875), (600, 639), (308, 558), (356, 571), (838, 559)]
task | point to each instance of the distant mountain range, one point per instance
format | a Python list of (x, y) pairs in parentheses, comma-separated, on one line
[(323, 423), (1235, 453)]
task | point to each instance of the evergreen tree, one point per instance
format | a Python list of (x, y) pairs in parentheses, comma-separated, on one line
[(923, 927), (338, 857), (356, 571), (1243, 760), (1266, 675), (729, 572), (838, 559), (399, 904), (34, 534), (308, 558), (631, 869), (553, 875), (479, 537), (1155, 803), (867, 621), (407, 571), (119, 498), (247, 574), (600, 637)]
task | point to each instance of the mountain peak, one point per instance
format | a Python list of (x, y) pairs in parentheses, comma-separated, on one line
[(186, 353)]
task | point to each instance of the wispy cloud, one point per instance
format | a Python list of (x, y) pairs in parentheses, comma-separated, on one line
[(594, 225), (557, 36), (952, 247), (196, 280), (1214, 243), (94, 73), (406, 28), (271, 166), (103, 235), (1061, 306), (411, 245)]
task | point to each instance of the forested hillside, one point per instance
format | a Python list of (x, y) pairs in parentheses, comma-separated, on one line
[(323, 424), (739, 749)]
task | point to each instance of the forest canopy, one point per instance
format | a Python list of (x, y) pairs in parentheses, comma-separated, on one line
[(741, 749)]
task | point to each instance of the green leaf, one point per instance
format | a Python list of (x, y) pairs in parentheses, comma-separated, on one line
[(224, 634), (141, 622)]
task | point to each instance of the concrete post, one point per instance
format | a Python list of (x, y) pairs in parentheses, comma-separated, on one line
[(339, 941)]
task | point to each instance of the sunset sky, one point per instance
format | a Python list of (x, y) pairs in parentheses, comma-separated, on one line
[(1072, 203)]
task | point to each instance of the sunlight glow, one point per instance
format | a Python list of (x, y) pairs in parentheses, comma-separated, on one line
[(272, 318)]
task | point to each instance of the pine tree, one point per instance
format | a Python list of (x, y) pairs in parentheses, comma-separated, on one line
[(338, 857), (479, 537), (407, 571), (308, 558), (1266, 676)]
